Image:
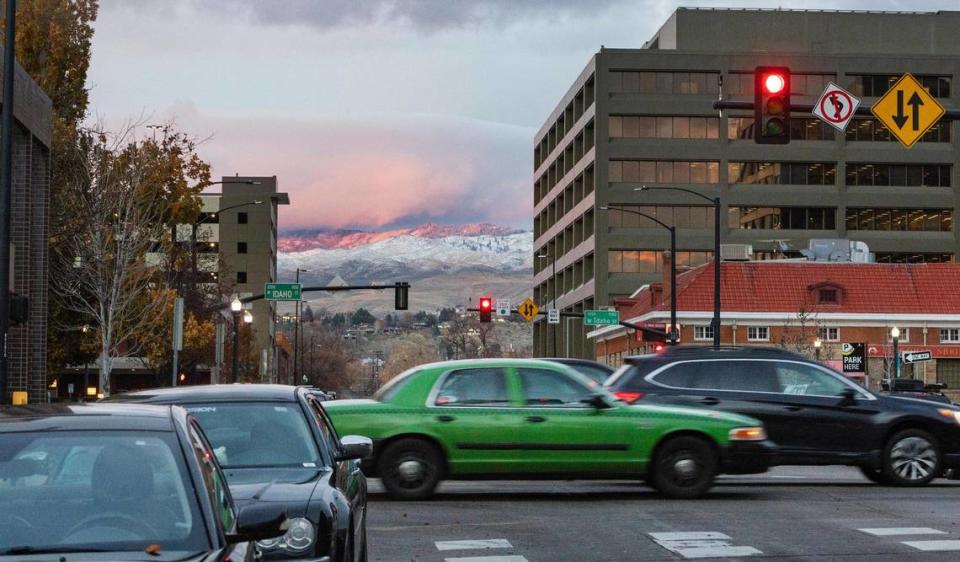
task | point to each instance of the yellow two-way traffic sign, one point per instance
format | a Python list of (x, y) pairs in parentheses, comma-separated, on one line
[(528, 309), (908, 110)]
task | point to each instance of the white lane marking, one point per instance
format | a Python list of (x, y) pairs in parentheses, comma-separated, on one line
[(473, 545), (893, 531), (934, 546), (510, 558), (703, 544)]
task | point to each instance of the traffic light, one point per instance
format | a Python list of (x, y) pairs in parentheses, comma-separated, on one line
[(771, 106), (486, 309), (401, 298)]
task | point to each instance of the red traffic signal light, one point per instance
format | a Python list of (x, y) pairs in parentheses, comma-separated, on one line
[(486, 309), (771, 106)]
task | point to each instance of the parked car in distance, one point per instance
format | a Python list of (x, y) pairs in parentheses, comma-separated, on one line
[(816, 416), (276, 443), (597, 372), (914, 388), (529, 419), (101, 482)]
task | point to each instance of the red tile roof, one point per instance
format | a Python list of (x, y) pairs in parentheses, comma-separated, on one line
[(788, 286)]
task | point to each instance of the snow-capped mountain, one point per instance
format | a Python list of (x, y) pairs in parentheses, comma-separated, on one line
[(404, 255)]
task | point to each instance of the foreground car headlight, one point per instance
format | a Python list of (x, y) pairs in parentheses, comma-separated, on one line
[(948, 413), (748, 434), (299, 537)]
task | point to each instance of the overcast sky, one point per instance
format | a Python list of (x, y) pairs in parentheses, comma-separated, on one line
[(371, 113)]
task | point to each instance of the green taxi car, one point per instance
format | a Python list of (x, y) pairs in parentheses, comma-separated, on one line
[(529, 419)]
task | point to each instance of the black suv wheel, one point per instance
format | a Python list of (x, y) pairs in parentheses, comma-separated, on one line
[(911, 458)]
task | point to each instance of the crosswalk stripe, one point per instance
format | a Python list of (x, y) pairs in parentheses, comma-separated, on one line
[(473, 544), (894, 531), (702, 544), (508, 558), (934, 546), (691, 536)]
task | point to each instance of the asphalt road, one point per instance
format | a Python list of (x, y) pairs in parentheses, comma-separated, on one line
[(790, 513)]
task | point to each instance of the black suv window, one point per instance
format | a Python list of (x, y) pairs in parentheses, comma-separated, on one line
[(472, 387), (797, 378), (680, 375), (739, 375)]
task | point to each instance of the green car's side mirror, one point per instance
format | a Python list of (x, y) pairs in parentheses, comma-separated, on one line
[(597, 401)]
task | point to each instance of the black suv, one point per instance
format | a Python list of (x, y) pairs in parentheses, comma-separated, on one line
[(815, 415)]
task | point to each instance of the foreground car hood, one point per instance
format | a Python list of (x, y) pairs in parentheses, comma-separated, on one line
[(692, 413), (294, 486)]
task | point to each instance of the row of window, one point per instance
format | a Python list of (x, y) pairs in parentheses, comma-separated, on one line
[(875, 85), (774, 173), (648, 82), (663, 171), (565, 121), (783, 218), (624, 216), (929, 175), (801, 128), (650, 261), (663, 127), (931, 220), (870, 129), (827, 334), (913, 257), (742, 83)]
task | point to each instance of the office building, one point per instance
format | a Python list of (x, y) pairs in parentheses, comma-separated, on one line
[(636, 117)]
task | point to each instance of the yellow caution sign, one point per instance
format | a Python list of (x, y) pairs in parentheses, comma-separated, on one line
[(528, 309), (908, 110)]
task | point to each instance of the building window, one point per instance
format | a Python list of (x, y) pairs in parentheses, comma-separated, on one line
[(929, 220), (875, 85), (649, 82), (664, 171), (869, 129), (757, 333), (828, 296), (780, 173), (624, 216), (913, 257), (949, 335), (742, 83), (241, 277), (783, 218), (664, 127), (828, 334), (241, 247), (241, 218), (703, 333), (801, 129), (900, 175), (208, 247), (651, 261)]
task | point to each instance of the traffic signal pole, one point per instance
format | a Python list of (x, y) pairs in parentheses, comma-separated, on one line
[(6, 188), (951, 114)]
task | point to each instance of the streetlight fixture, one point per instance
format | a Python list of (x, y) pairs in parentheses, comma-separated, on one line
[(236, 306), (817, 344), (895, 336), (673, 270), (247, 317), (715, 201), (553, 292)]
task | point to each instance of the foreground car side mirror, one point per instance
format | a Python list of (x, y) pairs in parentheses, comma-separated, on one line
[(259, 521), (597, 401), (355, 447), (848, 397)]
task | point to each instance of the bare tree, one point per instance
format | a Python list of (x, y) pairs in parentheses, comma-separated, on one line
[(104, 271), (800, 331)]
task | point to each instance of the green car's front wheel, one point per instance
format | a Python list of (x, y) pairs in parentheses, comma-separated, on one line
[(684, 467), (410, 468)]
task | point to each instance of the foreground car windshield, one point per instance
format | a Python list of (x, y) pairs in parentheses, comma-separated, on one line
[(257, 434), (109, 491)]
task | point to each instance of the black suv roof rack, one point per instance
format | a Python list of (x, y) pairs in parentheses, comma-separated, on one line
[(731, 350)]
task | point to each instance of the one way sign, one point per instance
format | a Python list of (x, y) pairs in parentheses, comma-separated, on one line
[(917, 356), (908, 110)]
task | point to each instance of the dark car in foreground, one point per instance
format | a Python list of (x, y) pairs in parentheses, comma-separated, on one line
[(597, 372), (815, 416), (113, 482), (276, 444)]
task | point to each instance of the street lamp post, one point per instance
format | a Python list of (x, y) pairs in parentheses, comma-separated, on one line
[(895, 336), (817, 344), (236, 306), (297, 364), (673, 269), (715, 201), (553, 293)]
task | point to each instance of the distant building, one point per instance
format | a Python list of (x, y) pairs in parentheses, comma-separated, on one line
[(637, 117), (792, 303)]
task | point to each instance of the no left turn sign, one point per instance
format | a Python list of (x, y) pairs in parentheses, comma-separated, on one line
[(836, 106)]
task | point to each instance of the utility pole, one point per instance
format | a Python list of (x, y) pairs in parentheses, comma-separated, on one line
[(6, 188)]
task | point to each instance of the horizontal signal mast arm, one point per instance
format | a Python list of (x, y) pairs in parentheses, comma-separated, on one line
[(808, 108)]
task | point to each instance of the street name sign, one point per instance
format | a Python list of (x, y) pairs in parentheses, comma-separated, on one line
[(836, 106), (601, 317), (553, 316), (908, 110), (528, 309), (503, 307), (917, 356), (282, 291)]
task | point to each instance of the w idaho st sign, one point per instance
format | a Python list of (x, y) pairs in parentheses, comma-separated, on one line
[(282, 291)]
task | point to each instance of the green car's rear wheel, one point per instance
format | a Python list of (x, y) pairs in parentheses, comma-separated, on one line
[(410, 469), (684, 467)]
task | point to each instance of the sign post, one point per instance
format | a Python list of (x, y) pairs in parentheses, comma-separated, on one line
[(908, 110), (282, 291)]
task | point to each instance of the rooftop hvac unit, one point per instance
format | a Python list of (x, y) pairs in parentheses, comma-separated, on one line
[(736, 252)]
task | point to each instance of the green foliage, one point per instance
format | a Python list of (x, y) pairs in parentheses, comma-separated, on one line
[(362, 316)]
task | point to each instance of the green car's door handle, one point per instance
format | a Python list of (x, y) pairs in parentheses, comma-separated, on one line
[(536, 419), (445, 418)]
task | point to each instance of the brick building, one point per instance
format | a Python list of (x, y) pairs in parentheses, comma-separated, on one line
[(792, 303)]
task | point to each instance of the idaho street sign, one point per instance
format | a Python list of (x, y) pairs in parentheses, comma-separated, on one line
[(528, 309), (836, 106), (601, 317), (282, 291), (908, 110)]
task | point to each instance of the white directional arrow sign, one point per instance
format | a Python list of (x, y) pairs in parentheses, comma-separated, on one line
[(917, 356)]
